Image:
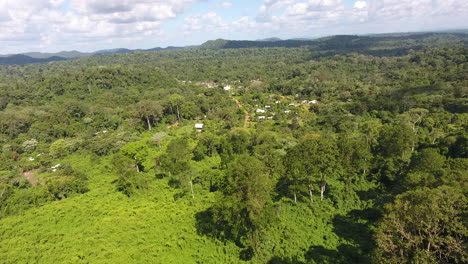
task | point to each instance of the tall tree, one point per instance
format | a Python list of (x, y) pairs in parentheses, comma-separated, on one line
[(150, 111), (175, 103), (314, 160), (355, 156), (246, 206)]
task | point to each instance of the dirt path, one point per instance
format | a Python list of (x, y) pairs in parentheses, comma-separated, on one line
[(30, 176), (247, 114)]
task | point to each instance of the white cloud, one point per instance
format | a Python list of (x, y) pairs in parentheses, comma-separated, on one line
[(269, 7), (226, 5), (396, 15), (210, 22), (360, 4), (323, 3), (297, 9), (293, 18), (47, 24), (59, 24)]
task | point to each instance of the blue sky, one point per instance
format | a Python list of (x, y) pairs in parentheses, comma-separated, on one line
[(89, 25)]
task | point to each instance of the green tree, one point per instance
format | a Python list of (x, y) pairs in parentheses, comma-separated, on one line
[(176, 163), (177, 157), (313, 160), (240, 140), (424, 226), (138, 151), (246, 206), (355, 156), (149, 111), (175, 103), (394, 150)]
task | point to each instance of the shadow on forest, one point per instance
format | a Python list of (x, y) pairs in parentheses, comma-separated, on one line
[(205, 225), (279, 260), (352, 229)]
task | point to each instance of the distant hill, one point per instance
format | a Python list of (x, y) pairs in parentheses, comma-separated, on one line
[(376, 45), (112, 51), (269, 43), (217, 44), (62, 54), (270, 39), (303, 39), (20, 59), (167, 48), (39, 57), (373, 44)]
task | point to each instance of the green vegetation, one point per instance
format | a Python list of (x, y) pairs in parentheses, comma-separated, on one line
[(341, 150)]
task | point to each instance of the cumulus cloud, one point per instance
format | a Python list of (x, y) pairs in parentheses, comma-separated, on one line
[(307, 17), (58, 21), (313, 14), (31, 24), (269, 7), (210, 22), (226, 5), (360, 5)]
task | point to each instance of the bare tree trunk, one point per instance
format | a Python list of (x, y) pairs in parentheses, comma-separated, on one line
[(310, 193), (191, 189), (295, 197), (178, 114), (148, 122), (138, 168), (322, 190)]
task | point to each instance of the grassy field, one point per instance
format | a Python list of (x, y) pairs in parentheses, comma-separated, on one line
[(159, 226), (105, 226)]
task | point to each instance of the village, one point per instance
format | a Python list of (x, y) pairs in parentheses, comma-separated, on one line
[(274, 107)]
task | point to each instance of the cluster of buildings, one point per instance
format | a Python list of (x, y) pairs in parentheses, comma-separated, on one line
[(262, 113)]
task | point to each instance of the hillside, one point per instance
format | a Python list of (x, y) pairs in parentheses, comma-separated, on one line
[(323, 153), (38, 57), (23, 59), (376, 45)]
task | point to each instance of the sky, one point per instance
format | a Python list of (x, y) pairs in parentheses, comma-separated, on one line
[(90, 25)]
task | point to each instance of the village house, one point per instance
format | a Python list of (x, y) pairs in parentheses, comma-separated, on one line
[(199, 127)]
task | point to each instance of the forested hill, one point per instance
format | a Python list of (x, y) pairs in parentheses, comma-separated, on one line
[(319, 154), (38, 57), (23, 59), (372, 45), (377, 45)]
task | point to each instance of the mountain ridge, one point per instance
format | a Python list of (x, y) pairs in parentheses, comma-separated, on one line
[(328, 43)]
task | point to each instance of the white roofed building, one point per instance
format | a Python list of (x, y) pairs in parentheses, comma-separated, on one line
[(199, 127)]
